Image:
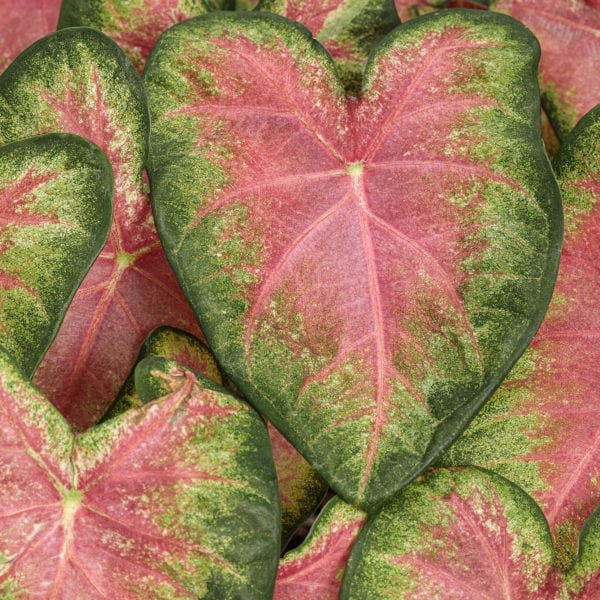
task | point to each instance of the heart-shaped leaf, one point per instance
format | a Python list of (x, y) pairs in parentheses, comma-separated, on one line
[(347, 28), (366, 271), (457, 534), (542, 427), (177, 499), (569, 34), (55, 214), (300, 487), (314, 570), (78, 81), (136, 24), (23, 22)]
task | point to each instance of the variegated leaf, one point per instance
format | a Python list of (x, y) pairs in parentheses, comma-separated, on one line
[(135, 24), (582, 580), (542, 427), (300, 487), (78, 81), (171, 343), (177, 499), (347, 28), (23, 22), (314, 570), (55, 214), (569, 34), (460, 535), (366, 271)]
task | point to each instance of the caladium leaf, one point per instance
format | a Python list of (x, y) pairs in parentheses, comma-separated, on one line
[(78, 81), (55, 214), (542, 427), (407, 9), (347, 28), (314, 570), (24, 22), (171, 343), (569, 34), (366, 276), (176, 499), (582, 580), (300, 487), (136, 24), (457, 534)]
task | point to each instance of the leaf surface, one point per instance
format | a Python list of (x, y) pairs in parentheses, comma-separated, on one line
[(569, 34), (78, 81), (408, 9), (348, 29), (462, 534), (24, 22), (314, 570), (174, 500), (300, 487), (366, 271), (136, 24), (541, 429), (55, 214)]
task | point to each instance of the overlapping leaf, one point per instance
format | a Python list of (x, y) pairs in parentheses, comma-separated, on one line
[(569, 34), (23, 22), (78, 81), (366, 271), (177, 499), (542, 428), (136, 24), (314, 570), (466, 533), (347, 28), (55, 213), (407, 9), (300, 487), (458, 534)]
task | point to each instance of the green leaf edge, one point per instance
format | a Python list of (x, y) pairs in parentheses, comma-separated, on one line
[(93, 155)]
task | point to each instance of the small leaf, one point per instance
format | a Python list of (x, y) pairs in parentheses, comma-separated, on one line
[(366, 271), (55, 214), (177, 499), (24, 22), (78, 81), (348, 29), (569, 34), (314, 570), (136, 24), (542, 427), (456, 534)]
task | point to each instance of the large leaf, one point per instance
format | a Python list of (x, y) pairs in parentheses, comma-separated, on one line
[(314, 570), (542, 428), (136, 24), (78, 81), (347, 28), (365, 271), (458, 534), (55, 214), (569, 34), (300, 487), (177, 499), (23, 22)]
